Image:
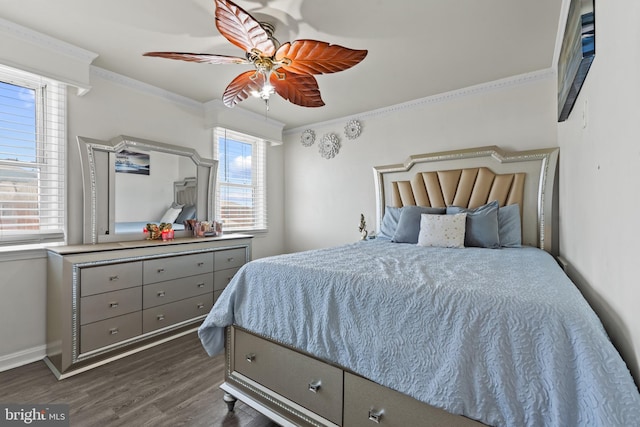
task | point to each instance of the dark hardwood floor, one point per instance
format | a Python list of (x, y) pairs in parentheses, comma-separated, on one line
[(173, 384)]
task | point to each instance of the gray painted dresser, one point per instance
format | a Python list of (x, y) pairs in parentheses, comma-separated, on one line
[(106, 301)]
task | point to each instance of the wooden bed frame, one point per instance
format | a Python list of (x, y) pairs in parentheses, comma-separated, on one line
[(464, 177)]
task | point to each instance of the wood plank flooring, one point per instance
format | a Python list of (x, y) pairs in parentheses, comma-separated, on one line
[(173, 384)]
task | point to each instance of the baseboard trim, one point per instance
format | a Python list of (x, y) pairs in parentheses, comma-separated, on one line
[(22, 358)]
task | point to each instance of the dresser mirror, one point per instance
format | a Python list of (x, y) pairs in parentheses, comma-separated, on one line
[(129, 182)]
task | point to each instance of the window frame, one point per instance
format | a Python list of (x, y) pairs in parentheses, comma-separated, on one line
[(258, 175), (50, 152)]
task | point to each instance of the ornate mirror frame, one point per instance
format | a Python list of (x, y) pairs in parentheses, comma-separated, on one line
[(98, 183)]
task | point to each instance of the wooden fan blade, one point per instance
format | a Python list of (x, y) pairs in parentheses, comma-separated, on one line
[(241, 87), (316, 57), (299, 89), (242, 29), (199, 57)]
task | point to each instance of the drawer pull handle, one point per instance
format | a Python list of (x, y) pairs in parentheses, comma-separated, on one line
[(250, 357), (230, 259), (161, 294), (114, 305), (200, 285), (200, 306), (160, 317), (200, 264), (113, 278), (375, 416), (113, 331), (314, 386), (160, 270)]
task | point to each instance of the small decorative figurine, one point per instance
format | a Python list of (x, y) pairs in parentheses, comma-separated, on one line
[(163, 231), (363, 228)]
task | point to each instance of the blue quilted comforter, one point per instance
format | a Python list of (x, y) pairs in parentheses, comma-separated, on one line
[(500, 336)]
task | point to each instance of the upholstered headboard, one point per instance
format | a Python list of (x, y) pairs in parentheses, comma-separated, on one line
[(473, 177), (185, 191)]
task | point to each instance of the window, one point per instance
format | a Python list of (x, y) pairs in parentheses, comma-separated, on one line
[(240, 189), (32, 140)]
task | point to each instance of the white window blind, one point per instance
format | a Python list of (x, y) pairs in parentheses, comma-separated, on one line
[(241, 185), (32, 146)]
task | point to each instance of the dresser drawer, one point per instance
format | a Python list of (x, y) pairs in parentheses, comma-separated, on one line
[(230, 258), (110, 331), (161, 269), (313, 384), (175, 312), (110, 304), (173, 290), (222, 278), (106, 278), (366, 403)]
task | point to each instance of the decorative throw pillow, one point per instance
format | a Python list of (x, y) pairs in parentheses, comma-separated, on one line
[(170, 215), (482, 225), (509, 226), (409, 223), (389, 222), (188, 212), (444, 231)]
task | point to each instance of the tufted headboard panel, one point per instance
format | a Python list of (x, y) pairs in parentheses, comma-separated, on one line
[(469, 188), (473, 177)]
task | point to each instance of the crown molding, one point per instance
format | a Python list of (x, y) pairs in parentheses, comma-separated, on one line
[(215, 113), (46, 42), (29, 50), (496, 85), (130, 83)]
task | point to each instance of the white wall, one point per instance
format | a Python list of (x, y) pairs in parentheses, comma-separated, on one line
[(22, 309), (146, 197), (600, 178), (108, 110), (324, 198)]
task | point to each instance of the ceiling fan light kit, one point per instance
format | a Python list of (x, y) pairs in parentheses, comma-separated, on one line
[(286, 69)]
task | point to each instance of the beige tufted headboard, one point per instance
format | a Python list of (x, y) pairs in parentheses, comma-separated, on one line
[(473, 177)]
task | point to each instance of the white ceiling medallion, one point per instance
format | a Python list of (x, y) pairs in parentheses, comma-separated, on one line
[(308, 138), (329, 146), (353, 129)]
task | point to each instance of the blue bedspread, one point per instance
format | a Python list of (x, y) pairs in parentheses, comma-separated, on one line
[(501, 336)]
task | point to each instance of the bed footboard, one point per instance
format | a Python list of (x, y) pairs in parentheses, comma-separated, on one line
[(296, 389)]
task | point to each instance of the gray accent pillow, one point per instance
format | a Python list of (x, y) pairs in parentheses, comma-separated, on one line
[(389, 222), (188, 212), (482, 225), (409, 223), (509, 226)]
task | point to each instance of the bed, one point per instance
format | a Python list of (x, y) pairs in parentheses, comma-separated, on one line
[(181, 209), (441, 331)]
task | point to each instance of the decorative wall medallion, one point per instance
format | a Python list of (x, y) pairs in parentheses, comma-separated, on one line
[(352, 129), (308, 138), (329, 146)]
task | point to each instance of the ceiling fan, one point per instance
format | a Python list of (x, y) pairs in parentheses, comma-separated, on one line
[(285, 69)]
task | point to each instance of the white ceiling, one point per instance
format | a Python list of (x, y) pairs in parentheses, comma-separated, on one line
[(417, 48)]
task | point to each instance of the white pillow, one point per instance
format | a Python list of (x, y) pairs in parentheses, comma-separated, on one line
[(170, 215), (445, 231)]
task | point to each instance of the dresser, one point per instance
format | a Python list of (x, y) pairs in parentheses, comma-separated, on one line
[(107, 301)]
